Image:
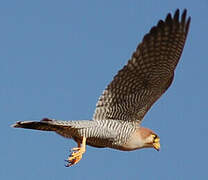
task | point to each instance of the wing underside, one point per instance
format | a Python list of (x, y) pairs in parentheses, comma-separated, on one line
[(148, 73)]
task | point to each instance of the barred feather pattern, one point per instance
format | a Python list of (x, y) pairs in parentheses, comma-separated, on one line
[(148, 73), (104, 133), (135, 88)]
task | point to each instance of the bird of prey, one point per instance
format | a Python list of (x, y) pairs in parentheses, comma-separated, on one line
[(126, 100)]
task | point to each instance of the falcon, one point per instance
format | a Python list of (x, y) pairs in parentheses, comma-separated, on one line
[(126, 100)]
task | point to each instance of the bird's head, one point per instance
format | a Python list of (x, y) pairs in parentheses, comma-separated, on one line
[(150, 139), (142, 138)]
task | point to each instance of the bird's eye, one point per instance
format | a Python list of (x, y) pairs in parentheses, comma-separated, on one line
[(155, 136)]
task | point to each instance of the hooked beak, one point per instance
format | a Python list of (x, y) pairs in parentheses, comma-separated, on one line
[(156, 144)]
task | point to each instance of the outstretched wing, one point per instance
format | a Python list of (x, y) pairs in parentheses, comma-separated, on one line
[(148, 74)]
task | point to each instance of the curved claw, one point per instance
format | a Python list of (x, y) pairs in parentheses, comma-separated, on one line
[(66, 165), (72, 162)]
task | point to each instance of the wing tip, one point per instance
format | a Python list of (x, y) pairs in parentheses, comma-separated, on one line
[(187, 25), (171, 20)]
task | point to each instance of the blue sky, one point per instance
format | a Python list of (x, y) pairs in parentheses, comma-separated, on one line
[(56, 59)]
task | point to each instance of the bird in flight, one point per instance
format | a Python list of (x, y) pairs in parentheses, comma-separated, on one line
[(126, 100)]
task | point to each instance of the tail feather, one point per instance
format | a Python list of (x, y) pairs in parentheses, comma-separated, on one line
[(46, 124), (41, 125)]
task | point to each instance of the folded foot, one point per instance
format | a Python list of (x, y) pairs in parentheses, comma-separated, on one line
[(77, 153)]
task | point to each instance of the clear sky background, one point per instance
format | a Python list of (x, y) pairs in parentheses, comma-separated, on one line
[(56, 59)]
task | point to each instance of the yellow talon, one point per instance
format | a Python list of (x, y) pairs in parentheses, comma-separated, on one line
[(75, 149), (77, 153)]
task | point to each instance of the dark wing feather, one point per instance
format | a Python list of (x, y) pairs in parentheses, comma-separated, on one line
[(148, 74)]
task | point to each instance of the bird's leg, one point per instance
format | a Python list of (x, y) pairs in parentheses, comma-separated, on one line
[(77, 152)]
